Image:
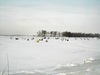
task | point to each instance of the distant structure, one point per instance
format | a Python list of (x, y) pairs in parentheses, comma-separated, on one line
[(44, 33)]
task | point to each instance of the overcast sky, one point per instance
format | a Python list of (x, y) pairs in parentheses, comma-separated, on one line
[(29, 16)]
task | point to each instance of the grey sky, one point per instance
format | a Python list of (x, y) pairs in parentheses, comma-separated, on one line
[(30, 16)]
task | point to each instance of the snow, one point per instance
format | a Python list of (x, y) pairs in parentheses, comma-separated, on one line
[(55, 57)]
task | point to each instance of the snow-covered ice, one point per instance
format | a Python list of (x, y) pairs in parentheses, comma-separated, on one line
[(54, 57)]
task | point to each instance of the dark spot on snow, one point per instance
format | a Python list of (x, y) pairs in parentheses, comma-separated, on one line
[(16, 38)]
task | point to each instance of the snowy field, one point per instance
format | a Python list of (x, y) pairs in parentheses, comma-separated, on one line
[(73, 56)]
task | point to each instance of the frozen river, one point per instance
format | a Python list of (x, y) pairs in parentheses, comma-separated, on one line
[(79, 56)]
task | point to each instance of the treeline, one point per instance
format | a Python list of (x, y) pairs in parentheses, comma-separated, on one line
[(44, 33), (71, 34)]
